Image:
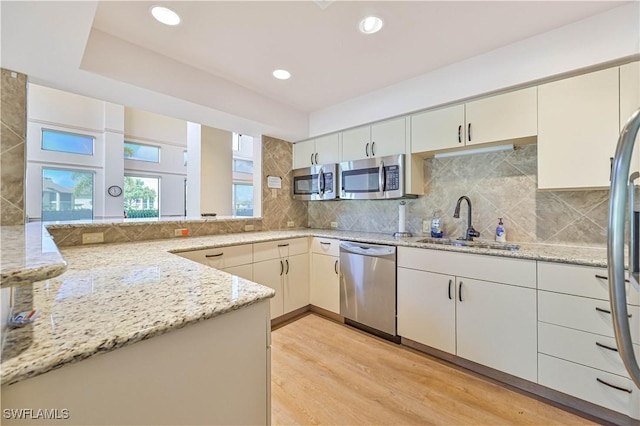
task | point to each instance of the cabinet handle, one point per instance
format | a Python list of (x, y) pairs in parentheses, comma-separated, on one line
[(335, 267), (325, 243), (287, 260), (283, 245), (600, 345), (610, 167), (449, 291), (613, 386), (460, 291), (606, 311), (366, 149), (469, 132), (373, 144), (315, 157), (214, 255), (312, 158), (460, 133), (602, 277), (281, 267)]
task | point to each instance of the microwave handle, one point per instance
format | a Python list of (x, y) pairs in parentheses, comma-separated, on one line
[(321, 186), (381, 177)]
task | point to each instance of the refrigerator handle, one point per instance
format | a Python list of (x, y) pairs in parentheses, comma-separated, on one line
[(633, 232), (615, 245)]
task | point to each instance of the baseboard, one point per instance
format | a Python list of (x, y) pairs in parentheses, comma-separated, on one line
[(327, 314), (561, 400)]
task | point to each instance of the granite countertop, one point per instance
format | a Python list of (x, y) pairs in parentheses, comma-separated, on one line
[(117, 294), (28, 254)]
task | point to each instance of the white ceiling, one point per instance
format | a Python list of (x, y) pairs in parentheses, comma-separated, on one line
[(243, 42), (215, 67)]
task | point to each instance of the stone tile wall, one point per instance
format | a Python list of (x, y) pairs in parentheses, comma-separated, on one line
[(13, 128), (502, 184), (276, 210)]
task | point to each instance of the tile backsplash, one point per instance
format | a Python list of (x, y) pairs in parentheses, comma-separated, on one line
[(500, 184)]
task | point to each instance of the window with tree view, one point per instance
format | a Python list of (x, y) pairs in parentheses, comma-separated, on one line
[(136, 151), (242, 200), (67, 195), (141, 197)]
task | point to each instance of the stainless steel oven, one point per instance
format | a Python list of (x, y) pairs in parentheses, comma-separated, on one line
[(319, 182), (373, 178)]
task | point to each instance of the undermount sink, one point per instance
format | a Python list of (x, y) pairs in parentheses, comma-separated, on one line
[(474, 244)]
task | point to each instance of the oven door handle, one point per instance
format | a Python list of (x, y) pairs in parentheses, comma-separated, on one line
[(381, 177), (321, 187)]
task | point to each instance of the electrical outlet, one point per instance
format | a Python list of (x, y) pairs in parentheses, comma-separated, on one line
[(290, 224), (334, 224), (426, 226), (249, 227), (93, 237), (180, 232)]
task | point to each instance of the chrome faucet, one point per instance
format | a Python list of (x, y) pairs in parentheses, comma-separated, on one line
[(471, 233)]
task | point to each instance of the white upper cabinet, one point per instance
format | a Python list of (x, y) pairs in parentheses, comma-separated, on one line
[(321, 150), (509, 116), (378, 140), (578, 127), (439, 129), (630, 101), (303, 153)]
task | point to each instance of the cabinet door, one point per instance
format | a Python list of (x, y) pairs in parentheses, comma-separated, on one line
[(630, 101), (303, 154), (427, 308), (578, 127), (440, 129), (325, 283), (328, 149), (271, 273), (296, 282), (512, 115), (356, 143), (496, 326), (388, 138), (243, 271)]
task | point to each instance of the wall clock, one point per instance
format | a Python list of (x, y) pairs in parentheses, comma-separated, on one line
[(115, 191)]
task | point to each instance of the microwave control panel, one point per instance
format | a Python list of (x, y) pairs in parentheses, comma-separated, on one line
[(392, 174), (328, 182)]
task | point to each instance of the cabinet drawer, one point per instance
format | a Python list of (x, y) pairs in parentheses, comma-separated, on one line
[(580, 347), (580, 313), (582, 382), (579, 281), (326, 246), (280, 248), (518, 272), (222, 257)]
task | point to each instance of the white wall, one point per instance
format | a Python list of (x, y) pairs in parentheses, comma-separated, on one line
[(170, 136), (605, 37), (113, 159), (194, 137), (216, 171)]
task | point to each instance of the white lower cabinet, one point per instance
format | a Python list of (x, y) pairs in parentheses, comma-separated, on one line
[(296, 283), (427, 308), (269, 273), (325, 282), (577, 352), (496, 326), (490, 323)]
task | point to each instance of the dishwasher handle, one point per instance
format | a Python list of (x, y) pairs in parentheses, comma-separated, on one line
[(367, 249)]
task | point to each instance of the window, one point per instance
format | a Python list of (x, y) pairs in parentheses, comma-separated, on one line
[(242, 199), (141, 197), (136, 151), (53, 140), (67, 195), (242, 166)]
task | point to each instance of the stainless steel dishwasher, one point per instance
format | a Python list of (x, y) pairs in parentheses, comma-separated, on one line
[(368, 288)]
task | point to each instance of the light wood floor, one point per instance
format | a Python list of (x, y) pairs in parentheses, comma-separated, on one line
[(326, 373)]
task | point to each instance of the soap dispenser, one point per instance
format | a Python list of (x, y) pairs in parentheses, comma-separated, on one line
[(436, 226), (501, 233)]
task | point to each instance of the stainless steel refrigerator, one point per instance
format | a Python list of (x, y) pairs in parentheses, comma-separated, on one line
[(624, 208)]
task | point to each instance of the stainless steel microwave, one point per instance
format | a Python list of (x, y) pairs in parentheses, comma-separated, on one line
[(373, 178), (319, 182)]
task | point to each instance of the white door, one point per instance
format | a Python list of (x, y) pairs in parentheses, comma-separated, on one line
[(328, 149), (439, 129), (427, 308), (325, 282), (243, 271), (388, 137), (296, 282), (303, 154), (270, 273), (497, 326), (356, 143)]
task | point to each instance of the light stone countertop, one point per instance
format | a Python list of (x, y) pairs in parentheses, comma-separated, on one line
[(117, 294)]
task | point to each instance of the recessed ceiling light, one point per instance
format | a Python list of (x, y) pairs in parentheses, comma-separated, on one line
[(281, 74), (370, 25), (165, 15)]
